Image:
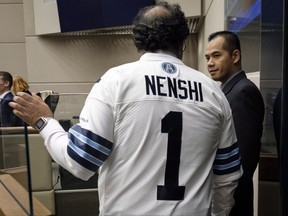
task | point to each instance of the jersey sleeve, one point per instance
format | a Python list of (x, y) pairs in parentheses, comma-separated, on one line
[(85, 147), (227, 167)]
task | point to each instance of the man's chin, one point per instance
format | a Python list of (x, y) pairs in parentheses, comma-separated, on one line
[(214, 77)]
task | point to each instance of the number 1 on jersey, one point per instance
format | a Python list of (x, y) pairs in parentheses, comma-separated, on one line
[(172, 124)]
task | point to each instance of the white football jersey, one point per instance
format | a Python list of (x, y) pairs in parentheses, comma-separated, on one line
[(160, 132)]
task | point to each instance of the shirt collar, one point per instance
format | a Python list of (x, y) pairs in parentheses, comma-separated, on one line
[(3, 94), (231, 77)]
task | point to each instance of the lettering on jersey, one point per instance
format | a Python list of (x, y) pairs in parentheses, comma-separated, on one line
[(84, 120), (172, 87), (169, 68)]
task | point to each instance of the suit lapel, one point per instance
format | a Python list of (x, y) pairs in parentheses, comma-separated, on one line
[(233, 81), (7, 96)]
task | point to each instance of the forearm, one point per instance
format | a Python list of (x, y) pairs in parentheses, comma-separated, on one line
[(222, 200)]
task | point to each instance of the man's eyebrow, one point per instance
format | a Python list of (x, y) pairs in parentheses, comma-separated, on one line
[(213, 53)]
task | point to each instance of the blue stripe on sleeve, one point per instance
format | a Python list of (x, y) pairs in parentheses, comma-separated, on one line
[(92, 136), (227, 160), (87, 148), (75, 135), (82, 161)]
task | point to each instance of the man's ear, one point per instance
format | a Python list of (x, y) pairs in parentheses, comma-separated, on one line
[(7, 83), (236, 55)]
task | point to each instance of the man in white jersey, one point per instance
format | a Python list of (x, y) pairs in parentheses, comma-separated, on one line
[(159, 133)]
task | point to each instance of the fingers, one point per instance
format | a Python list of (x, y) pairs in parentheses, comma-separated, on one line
[(22, 107), (18, 111), (20, 114), (27, 100), (30, 107), (25, 96)]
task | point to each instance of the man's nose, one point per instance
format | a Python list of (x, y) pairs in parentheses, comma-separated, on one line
[(210, 62)]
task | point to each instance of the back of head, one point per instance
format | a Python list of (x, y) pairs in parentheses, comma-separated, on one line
[(231, 43), (160, 27), (6, 76), (19, 84)]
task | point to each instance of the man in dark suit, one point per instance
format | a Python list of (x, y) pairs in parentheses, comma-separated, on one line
[(7, 117), (223, 57)]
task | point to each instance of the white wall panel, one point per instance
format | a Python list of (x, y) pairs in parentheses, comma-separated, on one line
[(12, 38), (46, 17), (191, 8), (11, 1), (76, 59), (13, 58), (11, 23)]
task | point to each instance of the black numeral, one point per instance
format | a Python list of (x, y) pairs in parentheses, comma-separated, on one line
[(172, 124)]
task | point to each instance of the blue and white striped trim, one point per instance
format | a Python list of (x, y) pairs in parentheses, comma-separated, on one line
[(227, 160), (87, 148)]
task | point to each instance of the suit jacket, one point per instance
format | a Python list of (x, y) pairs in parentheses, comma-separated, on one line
[(7, 118), (247, 107)]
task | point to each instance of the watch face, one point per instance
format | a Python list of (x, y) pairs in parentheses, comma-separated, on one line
[(40, 123)]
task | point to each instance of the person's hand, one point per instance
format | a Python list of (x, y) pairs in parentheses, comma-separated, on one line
[(30, 108)]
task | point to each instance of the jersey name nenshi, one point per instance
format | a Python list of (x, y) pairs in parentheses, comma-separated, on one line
[(172, 87)]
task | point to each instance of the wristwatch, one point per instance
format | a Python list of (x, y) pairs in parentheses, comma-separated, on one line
[(41, 123)]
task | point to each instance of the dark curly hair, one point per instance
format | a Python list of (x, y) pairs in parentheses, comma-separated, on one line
[(160, 27)]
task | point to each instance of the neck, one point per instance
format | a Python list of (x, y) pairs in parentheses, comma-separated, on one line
[(230, 77), (166, 52)]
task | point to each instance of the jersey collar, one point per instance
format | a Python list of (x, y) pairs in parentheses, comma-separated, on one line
[(160, 57)]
